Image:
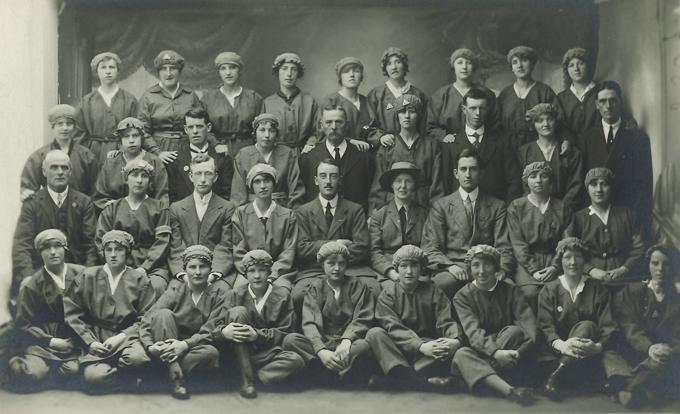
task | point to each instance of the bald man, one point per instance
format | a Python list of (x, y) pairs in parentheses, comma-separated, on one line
[(55, 206)]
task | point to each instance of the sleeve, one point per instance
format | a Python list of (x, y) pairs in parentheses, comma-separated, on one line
[(161, 183), (225, 169), (239, 191), (575, 191), (27, 317), (502, 242), (379, 261), (359, 248), (145, 300), (525, 319), (296, 189), (602, 307), (168, 300), (273, 336), (519, 246), (362, 317), (307, 245), (144, 114), (377, 196), (240, 247), (75, 311), (284, 262), (104, 224), (215, 318), (223, 253), (81, 126), (31, 175), (103, 190), (479, 339), (637, 247), (434, 237), (177, 245), (374, 102), (22, 246), (89, 228), (446, 322), (157, 254), (513, 173), (644, 177), (312, 319), (91, 170), (546, 319), (437, 184), (630, 320), (434, 110), (387, 318)]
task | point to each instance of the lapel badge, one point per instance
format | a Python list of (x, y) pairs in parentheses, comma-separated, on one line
[(389, 106), (186, 168), (560, 308), (74, 205)]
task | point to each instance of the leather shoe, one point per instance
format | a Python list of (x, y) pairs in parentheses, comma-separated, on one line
[(522, 395), (179, 391), (248, 390)]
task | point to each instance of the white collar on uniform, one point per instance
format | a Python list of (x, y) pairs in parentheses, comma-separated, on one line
[(336, 292), (542, 208), (474, 282), (196, 299), (356, 102), (473, 195), (267, 214), (524, 93), (604, 217), (59, 280), (579, 288), (581, 95), (331, 149), (397, 92), (55, 196), (259, 304), (108, 97), (113, 280)]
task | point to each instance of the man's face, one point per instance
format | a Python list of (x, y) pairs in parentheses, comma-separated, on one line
[(63, 128), (609, 105), (197, 130), (53, 254), (467, 173), (131, 141), (288, 75), (57, 173), (203, 176), (475, 111), (328, 180), (333, 124)]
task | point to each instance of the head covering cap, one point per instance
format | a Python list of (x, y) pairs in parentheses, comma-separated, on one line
[(347, 61), (483, 250), (169, 57), (197, 251), (571, 243), (599, 172), (523, 51), (397, 168), (228, 57), (541, 109), (264, 117), (260, 169), (256, 257), (576, 52), (409, 252), (137, 164), (49, 235), (464, 53), (287, 57), (540, 166), (121, 237), (408, 101), (130, 122), (331, 248), (388, 53), (94, 63), (61, 111)]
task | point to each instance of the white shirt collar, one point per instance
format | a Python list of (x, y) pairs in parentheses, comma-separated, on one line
[(356, 102), (267, 213), (604, 217), (479, 131), (195, 298), (542, 208), (333, 201), (55, 196), (59, 280), (172, 93), (474, 282), (579, 288), (399, 205), (199, 149), (473, 195), (231, 97), (524, 93), (336, 292), (108, 97), (605, 127), (397, 92), (267, 156), (331, 148), (202, 199), (259, 304), (113, 280), (581, 95)]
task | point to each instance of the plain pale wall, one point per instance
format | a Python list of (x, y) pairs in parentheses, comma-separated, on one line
[(28, 88), (671, 57)]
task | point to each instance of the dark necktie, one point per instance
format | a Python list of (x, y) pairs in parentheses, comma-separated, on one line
[(467, 203), (402, 222), (475, 139), (610, 136), (337, 155), (264, 225), (329, 215)]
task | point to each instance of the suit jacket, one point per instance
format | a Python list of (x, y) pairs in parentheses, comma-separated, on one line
[(385, 232), (278, 237), (500, 171), (181, 186), (449, 234), (349, 222), (213, 232), (356, 168), (288, 190), (630, 160), (75, 218)]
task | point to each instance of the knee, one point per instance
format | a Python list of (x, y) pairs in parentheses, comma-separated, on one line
[(238, 314), (511, 337), (68, 368), (585, 329), (98, 374), (292, 341), (531, 292), (449, 284), (28, 369), (133, 357), (463, 354), (159, 284), (163, 315), (376, 334), (360, 347)]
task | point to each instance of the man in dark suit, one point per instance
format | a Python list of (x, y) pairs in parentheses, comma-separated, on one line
[(623, 149), (465, 218), (356, 166), (500, 171), (203, 218), (197, 126), (56, 206), (330, 217)]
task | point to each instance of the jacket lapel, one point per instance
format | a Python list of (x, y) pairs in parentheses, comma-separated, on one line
[(338, 219), (319, 218), (210, 215), (350, 158), (191, 217), (393, 215)]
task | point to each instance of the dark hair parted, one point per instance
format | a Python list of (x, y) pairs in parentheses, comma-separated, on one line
[(469, 153), (475, 93), (327, 161), (609, 85), (198, 113)]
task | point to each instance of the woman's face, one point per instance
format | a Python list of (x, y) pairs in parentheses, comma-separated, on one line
[(334, 267), (539, 182), (263, 186), (64, 128), (257, 276), (197, 273), (131, 142), (408, 118), (53, 254), (577, 70), (660, 268), (404, 187), (521, 67), (395, 68), (107, 72), (483, 271), (230, 74), (266, 135), (409, 272), (573, 263), (545, 125), (599, 191), (351, 76), (288, 75), (115, 256), (169, 75), (138, 182), (463, 68)]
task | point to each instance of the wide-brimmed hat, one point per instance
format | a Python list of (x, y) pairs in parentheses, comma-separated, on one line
[(397, 168)]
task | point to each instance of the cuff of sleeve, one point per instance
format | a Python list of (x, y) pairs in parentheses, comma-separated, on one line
[(318, 346), (588, 267), (415, 345)]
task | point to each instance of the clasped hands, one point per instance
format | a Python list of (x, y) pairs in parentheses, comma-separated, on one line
[(108, 347), (440, 349), (577, 347), (337, 360)]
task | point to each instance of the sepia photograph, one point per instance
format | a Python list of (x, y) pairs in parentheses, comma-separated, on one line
[(332, 206)]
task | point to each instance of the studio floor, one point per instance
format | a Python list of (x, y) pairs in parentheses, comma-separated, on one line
[(303, 402)]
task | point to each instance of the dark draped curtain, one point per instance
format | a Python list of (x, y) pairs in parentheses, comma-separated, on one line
[(321, 32)]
